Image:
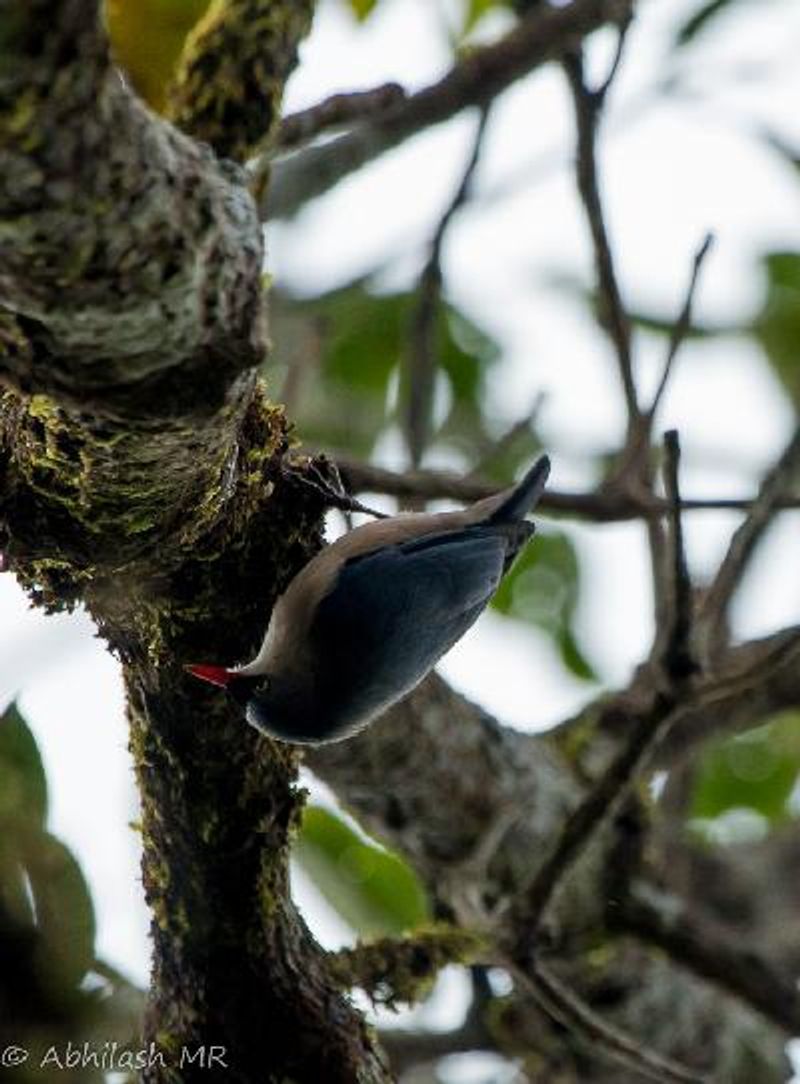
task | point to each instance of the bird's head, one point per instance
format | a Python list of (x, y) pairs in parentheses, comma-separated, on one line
[(240, 687), (269, 704)]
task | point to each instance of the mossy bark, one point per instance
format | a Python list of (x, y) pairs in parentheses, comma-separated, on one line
[(140, 475)]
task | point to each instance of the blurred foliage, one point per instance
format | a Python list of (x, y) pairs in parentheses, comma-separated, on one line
[(343, 360), (776, 326), (347, 348), (467, 16), (543, 589), (372, 889), (38, 875), (362, 8), (148, 37), (757, 770), (55, 986)]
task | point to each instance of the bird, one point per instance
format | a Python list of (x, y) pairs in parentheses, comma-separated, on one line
[(370, 615)]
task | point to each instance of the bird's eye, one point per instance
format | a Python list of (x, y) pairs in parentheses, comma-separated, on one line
[(261, 686)]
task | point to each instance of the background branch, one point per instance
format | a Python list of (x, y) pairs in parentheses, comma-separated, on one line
[(606, 505), (476, 80), (776, 486), (422, 348), (612, 314)]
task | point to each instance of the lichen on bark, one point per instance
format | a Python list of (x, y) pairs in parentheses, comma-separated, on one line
[(141, 476)]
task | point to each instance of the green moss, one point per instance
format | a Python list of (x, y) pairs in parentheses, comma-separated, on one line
[(19, 124), (229, 83), (402, 970)]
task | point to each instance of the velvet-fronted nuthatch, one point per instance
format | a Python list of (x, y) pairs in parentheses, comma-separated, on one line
[(364, 621)]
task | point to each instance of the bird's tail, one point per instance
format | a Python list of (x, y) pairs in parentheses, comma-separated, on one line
[(524, 497)]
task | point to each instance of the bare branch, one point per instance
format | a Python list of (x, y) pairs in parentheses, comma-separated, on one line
[(613, 316), (603, 506), (229, 84), (603, 1039), (334, 112), (506, 441), (775, 488), (751, 682), (622, 37), (681, 326), (476, 80), (321, 476), (421, 362), (676, 659), (646, 729)]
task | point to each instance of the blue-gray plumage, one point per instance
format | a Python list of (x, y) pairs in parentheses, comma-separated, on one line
[(372, 614)]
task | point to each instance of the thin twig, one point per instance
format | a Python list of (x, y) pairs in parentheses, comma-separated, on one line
[(334, 495), (339, 109), (477, 79), (588, 105), (677, 660), (682, 325), (506, 441), (647, 730), (422, 345), (773, 492), (622, 36), (603, 1039), (604, 506), (642, 433)]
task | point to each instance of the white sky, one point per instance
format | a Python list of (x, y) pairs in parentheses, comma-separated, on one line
[(672, 169)]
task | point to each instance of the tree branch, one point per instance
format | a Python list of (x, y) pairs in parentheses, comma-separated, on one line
[(681, 327), (335, 111), (228, 88), (613, 316), (421, 361), (774, 488), (140, 256), (603, 1039), (676, 659), (476, 80), (607, 505), (143, 478)]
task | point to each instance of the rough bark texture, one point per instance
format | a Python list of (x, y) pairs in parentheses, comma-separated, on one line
[(140, 474)]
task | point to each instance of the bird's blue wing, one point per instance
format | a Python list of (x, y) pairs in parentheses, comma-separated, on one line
[(393, 613)]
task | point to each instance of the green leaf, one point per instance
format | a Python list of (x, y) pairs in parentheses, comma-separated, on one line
[(475, 10), (373, 890), (362, 8), (14, 899), (23, 785), (777, 326), (542, 589), (757, 770), (363, 338), (64, 909)]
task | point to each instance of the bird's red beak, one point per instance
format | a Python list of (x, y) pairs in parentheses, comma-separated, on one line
[(215, 675)]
